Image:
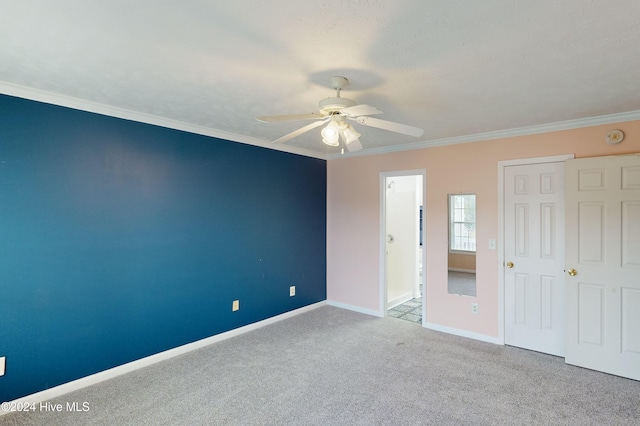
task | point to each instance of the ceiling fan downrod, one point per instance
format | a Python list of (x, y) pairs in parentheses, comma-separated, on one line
[(336, 103)]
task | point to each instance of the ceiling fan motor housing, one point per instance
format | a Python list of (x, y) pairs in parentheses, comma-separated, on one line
[(329, 105), (332, 105)]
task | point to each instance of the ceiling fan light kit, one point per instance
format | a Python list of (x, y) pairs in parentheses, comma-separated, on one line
[(334, 110), (350, 134), (331, 134)]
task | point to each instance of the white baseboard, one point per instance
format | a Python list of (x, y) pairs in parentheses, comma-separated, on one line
[(354, 308), (72, 386), (400, 300), (462, 333)]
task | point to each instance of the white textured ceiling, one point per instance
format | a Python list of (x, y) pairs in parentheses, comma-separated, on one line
[(454, 68)]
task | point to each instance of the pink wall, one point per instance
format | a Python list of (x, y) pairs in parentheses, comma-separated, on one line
[(353, 216)]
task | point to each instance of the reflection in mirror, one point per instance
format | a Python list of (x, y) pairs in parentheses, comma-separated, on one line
[(462, 244)]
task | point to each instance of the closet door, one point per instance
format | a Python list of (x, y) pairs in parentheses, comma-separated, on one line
[(603, 261), (534, 257)]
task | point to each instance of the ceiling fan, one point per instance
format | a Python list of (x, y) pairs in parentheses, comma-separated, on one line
[(335, 111)]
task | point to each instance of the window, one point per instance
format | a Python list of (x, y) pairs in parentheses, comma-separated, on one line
[(462, 222)]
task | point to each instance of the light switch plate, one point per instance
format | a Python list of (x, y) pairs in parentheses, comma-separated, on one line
[(3, 363), (492, 244)]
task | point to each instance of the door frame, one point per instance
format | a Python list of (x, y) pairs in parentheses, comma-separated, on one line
[(501, 231), (383, 239)]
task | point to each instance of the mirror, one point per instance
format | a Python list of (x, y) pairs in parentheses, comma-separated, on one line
[(462, 244)]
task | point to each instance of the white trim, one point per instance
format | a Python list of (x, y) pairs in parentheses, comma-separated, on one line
[(382, 285), (111, 111), (355, 309), (465, 253), (382, 243), (501, 134), (501, 260), (467, 271), (463, 333), (153, 359), (84, 105), (536, 160), (399, 300)]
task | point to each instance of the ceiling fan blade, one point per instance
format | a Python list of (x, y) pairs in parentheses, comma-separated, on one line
[(300, 131), (389, 125), (362, 109), (354, 145), (290, 117)]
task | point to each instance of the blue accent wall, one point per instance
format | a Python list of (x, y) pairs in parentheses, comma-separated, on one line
[(119, 240)]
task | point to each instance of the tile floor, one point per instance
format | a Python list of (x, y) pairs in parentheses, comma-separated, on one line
[(410, 311)]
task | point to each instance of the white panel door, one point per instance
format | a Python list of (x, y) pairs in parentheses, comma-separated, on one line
[(401, 218), (603, 248), (534, 257)]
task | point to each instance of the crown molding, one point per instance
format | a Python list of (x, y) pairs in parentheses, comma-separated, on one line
[(111, 111), (98, 108), (500, 134)]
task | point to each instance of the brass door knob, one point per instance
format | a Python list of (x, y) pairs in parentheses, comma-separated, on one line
[(572, 272), (509, 264)]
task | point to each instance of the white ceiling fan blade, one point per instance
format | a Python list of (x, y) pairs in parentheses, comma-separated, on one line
[(290, 117), (300, 131), (362, 109), (390, 125)]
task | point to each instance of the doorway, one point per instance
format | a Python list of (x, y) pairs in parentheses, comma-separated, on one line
[(402, 242)]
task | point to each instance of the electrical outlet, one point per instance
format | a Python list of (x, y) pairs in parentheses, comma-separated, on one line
[(474, 308), (236, 305), (3, 363), (292, 290)]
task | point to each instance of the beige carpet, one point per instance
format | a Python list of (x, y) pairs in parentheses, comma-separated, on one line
[(336, 367)]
